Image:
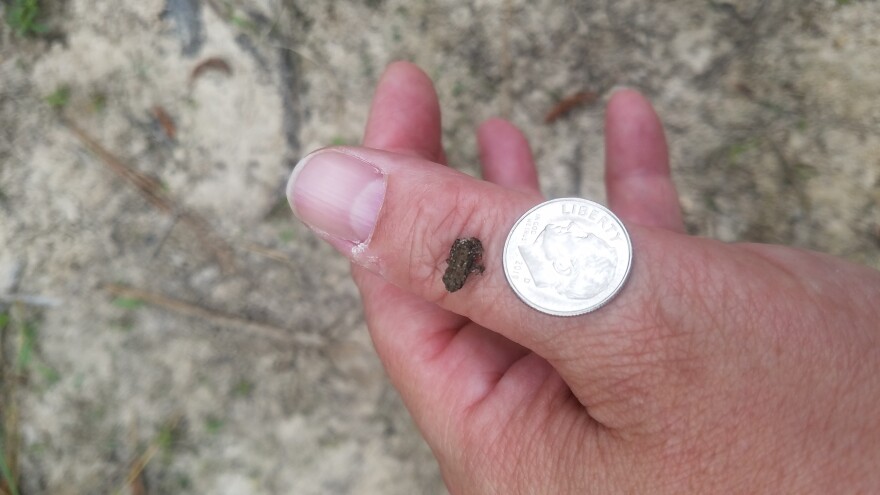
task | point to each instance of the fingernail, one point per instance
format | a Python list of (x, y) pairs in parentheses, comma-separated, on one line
[(337, 194)]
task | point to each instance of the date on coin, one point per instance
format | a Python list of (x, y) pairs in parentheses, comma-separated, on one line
[(465, 257)]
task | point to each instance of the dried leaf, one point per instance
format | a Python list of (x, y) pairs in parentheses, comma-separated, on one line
[(165, 121), (213, 63), (568, 104)]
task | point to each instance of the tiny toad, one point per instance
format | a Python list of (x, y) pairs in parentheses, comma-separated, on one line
[(465, 257)]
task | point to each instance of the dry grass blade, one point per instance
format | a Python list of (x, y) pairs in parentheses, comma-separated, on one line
[(31, 300), (9, 443), (134, 481), (260, 328), (9, 378), (151, 189), (272, 254), (220, 248)]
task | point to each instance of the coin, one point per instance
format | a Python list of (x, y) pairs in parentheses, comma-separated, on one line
[(567, 256)]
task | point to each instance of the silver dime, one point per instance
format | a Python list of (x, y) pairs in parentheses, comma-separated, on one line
[(568, 256)]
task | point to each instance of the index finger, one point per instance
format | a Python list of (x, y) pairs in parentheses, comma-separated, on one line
[(405, 114)]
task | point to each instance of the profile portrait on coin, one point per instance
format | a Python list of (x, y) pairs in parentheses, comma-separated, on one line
[(574, 262)]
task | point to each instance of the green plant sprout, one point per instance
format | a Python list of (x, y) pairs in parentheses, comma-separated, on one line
[(22, 16), (58, 99)]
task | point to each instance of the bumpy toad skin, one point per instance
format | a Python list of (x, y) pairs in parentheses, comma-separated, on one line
[(465, 256)]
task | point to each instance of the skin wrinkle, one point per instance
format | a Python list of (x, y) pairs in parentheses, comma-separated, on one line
[(539, 430), (449, 336), (677, 405), (602, 451), (813, 423), (635, 353), (487, 381), (471, 415), (447, 444), (522, 446), (791, 280), (673, 460), (492, 393), (483, 299), (441, 335), (696, 338), (394, 363), (842, 307), (500, 445), (626, 403), (484, 441), (718, 446), (617, 459), (460, 429), (638, 304), (482, 413), (687, 288), (778, 257), (734, 440), (790, 336), (601, 331), (418, 153), (846, 400), (572, 435), (422, 251), (692, 460), (428, 229)]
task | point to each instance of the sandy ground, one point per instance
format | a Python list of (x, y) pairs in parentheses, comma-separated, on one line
[(772, 111)]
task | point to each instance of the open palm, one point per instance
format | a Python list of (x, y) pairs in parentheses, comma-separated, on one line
[(718, 368)]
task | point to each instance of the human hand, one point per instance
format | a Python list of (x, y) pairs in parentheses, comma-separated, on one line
[(719, 368)]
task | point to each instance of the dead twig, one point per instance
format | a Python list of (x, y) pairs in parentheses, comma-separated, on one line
[(568, 104), (151, 189), (260, 328)]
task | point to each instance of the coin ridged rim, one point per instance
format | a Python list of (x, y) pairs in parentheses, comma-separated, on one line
[(577, 312)]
